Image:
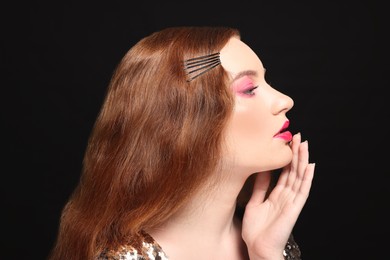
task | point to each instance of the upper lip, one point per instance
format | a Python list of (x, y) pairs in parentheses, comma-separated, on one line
[(285, 126)]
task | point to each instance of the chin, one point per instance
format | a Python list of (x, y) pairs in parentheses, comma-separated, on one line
[(253, 162), (286, 157), (284, 163), (279, 161), (266, 165)]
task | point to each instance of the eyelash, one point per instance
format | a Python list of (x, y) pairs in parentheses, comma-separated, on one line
[(250, 91)]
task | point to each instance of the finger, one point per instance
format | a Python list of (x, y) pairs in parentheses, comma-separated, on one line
[(286, 170), (294, 162), (303, 161), (282, 181), (305, 187), (260, 187)]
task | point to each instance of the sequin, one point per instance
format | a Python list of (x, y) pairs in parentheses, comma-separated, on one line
[(151, 250), (291, 250)]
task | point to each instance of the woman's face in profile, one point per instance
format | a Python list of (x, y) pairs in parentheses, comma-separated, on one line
[(256, 136)]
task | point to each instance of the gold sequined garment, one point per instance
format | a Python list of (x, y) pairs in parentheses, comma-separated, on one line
[(149, 249), (291, 250)]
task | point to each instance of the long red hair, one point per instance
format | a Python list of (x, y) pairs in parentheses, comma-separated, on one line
[(156, 141)]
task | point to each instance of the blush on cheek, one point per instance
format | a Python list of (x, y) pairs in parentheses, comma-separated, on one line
[(245, 127)]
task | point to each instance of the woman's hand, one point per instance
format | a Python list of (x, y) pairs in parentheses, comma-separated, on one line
[(268, 223)]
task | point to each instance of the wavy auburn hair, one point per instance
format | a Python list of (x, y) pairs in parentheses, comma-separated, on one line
[(157, 140)]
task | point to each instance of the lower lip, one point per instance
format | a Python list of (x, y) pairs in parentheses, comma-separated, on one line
[(287, 136)]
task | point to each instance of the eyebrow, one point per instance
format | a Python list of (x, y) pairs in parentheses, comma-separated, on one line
[(246, 73)]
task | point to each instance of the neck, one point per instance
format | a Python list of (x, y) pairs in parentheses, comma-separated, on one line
[(207, 222)]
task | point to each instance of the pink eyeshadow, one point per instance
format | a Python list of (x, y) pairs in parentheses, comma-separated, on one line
[(243, 84)]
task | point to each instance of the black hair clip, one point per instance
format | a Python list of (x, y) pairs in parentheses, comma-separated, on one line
[(197, 66)]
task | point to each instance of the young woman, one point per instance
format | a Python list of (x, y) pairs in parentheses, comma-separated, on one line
[(189, 124)]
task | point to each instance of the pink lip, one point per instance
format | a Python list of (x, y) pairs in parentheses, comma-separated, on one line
[(285, 135)]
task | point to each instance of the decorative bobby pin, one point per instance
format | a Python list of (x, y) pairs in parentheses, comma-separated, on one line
[(197, 66)]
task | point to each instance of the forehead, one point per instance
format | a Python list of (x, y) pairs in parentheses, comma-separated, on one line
[(236, 57)]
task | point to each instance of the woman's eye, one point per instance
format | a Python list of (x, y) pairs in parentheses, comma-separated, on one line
[(250, 91)]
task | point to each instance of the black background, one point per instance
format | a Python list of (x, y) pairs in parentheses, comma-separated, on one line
[(331, 58)]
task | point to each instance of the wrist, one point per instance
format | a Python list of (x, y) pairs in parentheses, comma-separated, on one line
[(276, 256)]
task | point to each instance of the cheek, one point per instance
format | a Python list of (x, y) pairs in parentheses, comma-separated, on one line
[(247, 134), (248, 124), (250, 141)]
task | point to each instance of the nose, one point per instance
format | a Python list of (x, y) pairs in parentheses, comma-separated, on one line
[(282, 103)]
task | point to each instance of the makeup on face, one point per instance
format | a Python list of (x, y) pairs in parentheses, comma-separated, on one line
[(256, 134), (244, 87), (283, 133)]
